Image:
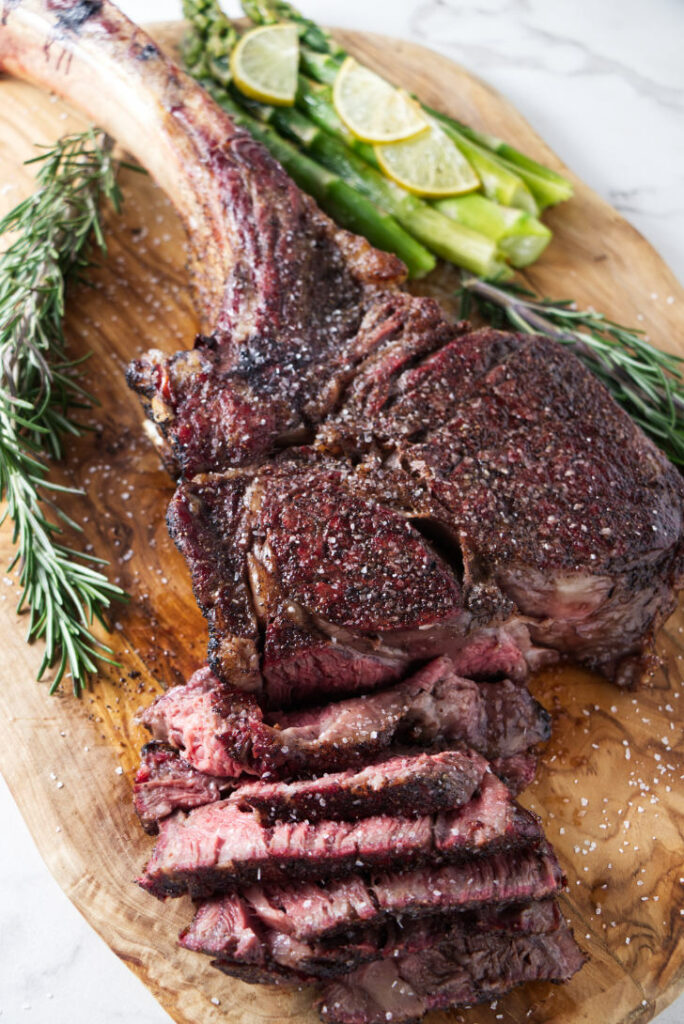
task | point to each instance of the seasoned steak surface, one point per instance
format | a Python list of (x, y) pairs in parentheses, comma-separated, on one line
[(489, 502), (554, 524)]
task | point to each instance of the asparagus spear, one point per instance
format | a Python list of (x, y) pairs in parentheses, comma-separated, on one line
[(209, 64), (321, 58), (521, 237)]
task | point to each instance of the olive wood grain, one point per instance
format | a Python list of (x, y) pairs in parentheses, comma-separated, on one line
[(609, 788)]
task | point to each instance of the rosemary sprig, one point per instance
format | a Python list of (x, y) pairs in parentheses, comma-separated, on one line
[(39, 389), (648, 383)]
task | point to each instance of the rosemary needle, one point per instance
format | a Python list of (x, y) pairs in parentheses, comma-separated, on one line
[(62, 589), (646, 382)]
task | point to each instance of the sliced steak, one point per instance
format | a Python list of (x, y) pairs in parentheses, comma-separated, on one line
[(218, 846), (335, 911), (165, 783), (226, 928), (406, 786), (467, 969), (223, 731)]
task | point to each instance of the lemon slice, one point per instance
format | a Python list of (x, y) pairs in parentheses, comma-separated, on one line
[(265, 64), (428, 165), (372, 108)]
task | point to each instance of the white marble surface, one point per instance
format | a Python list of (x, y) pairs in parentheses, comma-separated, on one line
[(603, 82)]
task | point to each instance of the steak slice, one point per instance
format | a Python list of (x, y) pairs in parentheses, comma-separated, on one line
[(462, 971), (218, 846), (223, 731), (334, 911), (185, 717), (165, 783), (407, 786), (226, 928)]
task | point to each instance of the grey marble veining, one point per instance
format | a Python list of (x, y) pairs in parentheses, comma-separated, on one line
[(603, 83)]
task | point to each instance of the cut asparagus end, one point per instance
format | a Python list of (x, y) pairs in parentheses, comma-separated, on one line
[(526, 242), (521, 238), (548, 186), (546, 190), (456, 243), (481, 214)]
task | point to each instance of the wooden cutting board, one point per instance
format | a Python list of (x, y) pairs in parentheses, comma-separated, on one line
[(609, 788)]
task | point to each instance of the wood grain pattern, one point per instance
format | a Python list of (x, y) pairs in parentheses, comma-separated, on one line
[(609, 791)]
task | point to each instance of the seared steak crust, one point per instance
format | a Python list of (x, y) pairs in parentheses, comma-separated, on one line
[(408, 786)]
